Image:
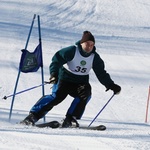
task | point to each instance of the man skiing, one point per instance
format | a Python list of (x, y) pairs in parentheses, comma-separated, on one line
[(69, 72)]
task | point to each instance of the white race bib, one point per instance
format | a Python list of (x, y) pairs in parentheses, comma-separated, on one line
[(80, 65)]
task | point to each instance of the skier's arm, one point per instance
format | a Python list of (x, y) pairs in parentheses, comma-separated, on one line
[(102, 75), (60, 58)]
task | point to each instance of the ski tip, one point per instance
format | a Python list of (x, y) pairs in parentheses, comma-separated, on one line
[(101, 127), (98, 128)]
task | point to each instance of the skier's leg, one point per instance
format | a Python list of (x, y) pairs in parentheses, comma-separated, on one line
[(42, 102), (33, 114), (46, 103), (77, 107)]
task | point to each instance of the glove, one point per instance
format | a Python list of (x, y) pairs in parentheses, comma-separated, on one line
[(115, 88), (53, 78), (84, 91)]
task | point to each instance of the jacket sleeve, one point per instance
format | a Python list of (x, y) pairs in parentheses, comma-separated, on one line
[(100, 72), (60, 58)]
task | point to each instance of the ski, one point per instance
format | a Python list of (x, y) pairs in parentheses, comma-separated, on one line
[(52, 124), (98, 128), (56, 124)]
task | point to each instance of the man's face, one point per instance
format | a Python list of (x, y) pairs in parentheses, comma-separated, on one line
[(88, 46)]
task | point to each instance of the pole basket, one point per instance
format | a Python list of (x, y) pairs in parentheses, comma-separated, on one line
[(147, 106)]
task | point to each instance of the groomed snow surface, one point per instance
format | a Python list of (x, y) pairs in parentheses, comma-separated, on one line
[(122, 33)]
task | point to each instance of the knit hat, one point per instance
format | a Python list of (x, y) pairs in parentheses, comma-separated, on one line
[(87, 36)]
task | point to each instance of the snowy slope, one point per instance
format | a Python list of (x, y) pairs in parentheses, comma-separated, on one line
[(122, 32)]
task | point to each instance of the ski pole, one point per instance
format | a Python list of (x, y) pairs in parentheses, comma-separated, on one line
[(101, 110), (5, 97)]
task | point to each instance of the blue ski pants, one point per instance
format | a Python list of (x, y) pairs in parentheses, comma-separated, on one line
[(80, 92)]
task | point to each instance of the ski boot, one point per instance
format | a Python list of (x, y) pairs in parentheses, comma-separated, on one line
[(70, 121), (29, 120)]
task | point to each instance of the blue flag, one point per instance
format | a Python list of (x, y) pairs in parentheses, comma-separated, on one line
[(31, 61)]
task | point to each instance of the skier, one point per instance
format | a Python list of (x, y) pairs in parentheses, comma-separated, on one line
[(69, 72)]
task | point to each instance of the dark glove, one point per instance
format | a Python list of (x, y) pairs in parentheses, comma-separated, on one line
[(53, 78), (84, 91), (115, 88)]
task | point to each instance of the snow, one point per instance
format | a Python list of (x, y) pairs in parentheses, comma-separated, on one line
[(122, 32)]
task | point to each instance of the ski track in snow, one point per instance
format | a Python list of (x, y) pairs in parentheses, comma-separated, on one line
[(122, 32), (97, 139)]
